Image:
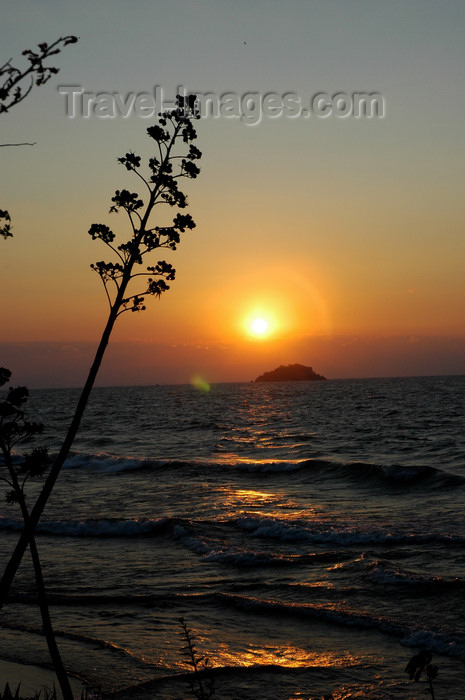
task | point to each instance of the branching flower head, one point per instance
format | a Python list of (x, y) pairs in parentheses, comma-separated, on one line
[(170, 164), (15, 428), (12, 79)]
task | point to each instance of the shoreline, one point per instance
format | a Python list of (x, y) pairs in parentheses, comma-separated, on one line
[(32, 678)]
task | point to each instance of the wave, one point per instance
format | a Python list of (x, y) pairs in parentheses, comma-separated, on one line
[(361, 473), (116, 600), (103, 527), (217, 548), (364, 473), (400, 475), (450, 644), (116, 464), (386, 573), (214, 550), (315, 533), (394, 475), (93, 642)]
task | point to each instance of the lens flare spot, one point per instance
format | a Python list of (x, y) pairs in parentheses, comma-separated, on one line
[(200, 383)]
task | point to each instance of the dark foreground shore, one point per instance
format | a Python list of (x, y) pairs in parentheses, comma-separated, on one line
[(31, 678)]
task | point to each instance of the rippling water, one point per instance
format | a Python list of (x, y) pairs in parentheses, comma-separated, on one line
[(311, 533)]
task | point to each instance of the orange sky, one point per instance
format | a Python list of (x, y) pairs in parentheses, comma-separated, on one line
[(330, 229)]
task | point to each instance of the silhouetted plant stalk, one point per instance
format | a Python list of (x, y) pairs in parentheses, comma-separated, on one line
[(15, 428), (199, 664), (419, 663), (16, 84), (12, 89), (5, 224), (122, 276)]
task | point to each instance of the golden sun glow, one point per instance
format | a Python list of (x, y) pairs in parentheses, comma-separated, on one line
[(260, 325)]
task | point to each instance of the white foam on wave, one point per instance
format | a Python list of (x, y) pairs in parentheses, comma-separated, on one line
[(288, 532), (215, 551), (442, 643), (388, 574), (102, 527), (320, 533), (438, 642), (102, 461)]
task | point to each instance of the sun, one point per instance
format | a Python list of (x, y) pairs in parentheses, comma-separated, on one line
[(260, 326)]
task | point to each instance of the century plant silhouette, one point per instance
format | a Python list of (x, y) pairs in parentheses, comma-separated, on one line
[(16, 428), (126, 281), (13, 89), (17, 83), (419, 663), (201, 683)]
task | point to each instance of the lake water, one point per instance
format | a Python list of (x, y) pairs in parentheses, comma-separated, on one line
[(312, 534)]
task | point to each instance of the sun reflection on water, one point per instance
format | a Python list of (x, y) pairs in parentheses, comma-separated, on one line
[(266, 504), (284, 655)]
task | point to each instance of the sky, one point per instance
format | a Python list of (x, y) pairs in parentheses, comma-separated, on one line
[(342, 233)]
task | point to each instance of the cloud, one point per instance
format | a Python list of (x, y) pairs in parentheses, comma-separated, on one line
[(42, 365)]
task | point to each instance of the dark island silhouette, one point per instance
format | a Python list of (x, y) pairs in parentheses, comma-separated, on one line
[(290, 373)]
